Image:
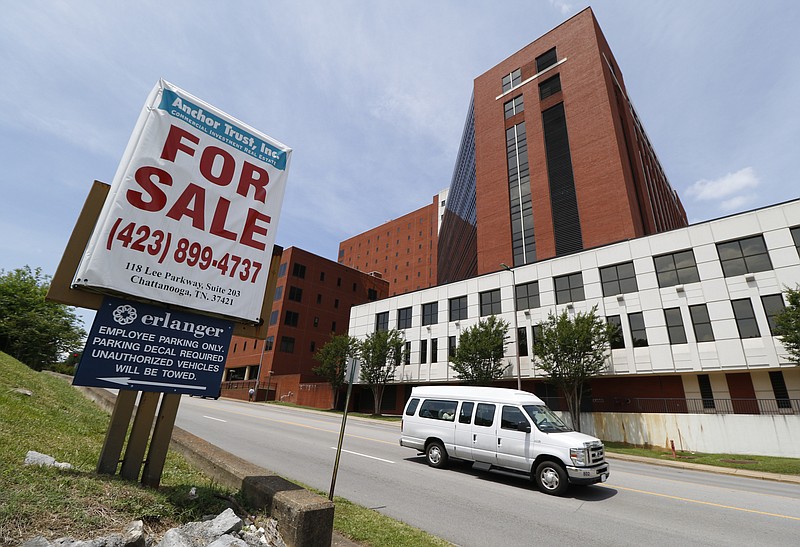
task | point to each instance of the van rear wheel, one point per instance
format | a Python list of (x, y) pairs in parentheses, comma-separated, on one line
[(436, 455), (551, 478)]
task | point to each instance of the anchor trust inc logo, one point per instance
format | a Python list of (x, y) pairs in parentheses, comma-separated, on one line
[(124, 315)]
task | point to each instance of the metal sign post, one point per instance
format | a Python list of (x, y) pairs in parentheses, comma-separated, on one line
[(341, 432)]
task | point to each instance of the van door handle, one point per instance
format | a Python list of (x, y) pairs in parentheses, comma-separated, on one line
[(474, 437)]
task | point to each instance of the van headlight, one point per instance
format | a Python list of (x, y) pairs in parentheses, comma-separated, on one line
[(578, 456)]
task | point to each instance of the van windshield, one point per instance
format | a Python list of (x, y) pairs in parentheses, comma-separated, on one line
[(544, 418)]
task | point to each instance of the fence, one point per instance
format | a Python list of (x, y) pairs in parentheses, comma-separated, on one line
[(682, 406)]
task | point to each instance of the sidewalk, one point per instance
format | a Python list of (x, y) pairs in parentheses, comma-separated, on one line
[(795, 479)]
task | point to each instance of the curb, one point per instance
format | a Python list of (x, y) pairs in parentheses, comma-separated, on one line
[(793, 479)]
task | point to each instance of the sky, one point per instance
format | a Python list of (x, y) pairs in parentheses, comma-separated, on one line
[(372, 96)]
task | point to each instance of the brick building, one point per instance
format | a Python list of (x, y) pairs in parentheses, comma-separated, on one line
[(312, 300)]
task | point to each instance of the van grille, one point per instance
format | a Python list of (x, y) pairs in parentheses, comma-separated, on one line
[(597, 453)]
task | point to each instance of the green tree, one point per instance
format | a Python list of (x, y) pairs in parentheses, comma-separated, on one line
[(380, 354), (571, 351), (34, 330), (788, 322), (334, 356), (478, 359)]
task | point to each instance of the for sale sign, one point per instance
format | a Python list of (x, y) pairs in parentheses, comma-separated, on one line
[(192, 212), (148, 348)]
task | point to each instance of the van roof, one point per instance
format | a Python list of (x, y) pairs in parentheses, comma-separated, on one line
[(489, 394)]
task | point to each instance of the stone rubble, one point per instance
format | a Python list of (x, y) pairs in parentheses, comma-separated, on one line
[(224, 530)]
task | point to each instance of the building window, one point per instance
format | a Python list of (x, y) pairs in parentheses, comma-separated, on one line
[(796, 238), (536, 331), (569, 288), (434, 350), (512, 80), (298, 270), (313, 346), (268, 343), (333, 326), (451, 346), (514, 106), (618, 279), (338, 281), (745, 318), (675, 330), (522, 341), (458, 308), (287, 344), (527, 295), (676, 269), (291, 318), (319, 299), (407, 354), (404, 318), (423, 351), (523, 240), (296, 294), (355, 286), (779, 389), (282, 269), (773, 305), (336, 303), (617, 340), (278, 293), (382, 321), (490, 303), (430, 313), (638, 330), (322, 276), (706, 392), (549, 87), (316, 321), (273, 317), (742, 256), (701, 323), (547, 59), (372, 294)]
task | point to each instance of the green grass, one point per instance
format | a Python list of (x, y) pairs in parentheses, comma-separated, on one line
[(58, 420), (339, 412), (767, 464)]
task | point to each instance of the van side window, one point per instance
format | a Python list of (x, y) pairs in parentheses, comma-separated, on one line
[(465, 416), (511, 417), (412, 407), (484, 415), (438, 410)]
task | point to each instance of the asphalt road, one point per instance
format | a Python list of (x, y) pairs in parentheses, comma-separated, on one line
[(640, 504)]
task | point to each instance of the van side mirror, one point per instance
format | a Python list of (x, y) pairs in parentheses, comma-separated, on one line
[(524, 426)]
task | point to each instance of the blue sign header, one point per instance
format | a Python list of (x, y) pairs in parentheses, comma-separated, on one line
[(148, 348)]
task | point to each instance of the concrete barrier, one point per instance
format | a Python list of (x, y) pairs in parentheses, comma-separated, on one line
[(304, 519)]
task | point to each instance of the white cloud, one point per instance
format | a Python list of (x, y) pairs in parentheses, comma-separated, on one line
[(728, 186), (561, 6)]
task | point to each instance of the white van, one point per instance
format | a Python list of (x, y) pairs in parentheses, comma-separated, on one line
[(503, 428)]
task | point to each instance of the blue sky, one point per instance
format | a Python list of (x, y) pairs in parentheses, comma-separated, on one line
[(372, 96)]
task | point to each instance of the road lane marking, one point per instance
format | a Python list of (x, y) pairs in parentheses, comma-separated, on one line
[(216, 419), (699, 502), (364, 455)]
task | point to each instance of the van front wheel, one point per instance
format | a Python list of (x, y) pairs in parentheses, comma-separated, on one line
[(436, 455), (551, 478)]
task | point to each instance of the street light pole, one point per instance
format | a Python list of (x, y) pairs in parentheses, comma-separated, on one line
[(516, 327)]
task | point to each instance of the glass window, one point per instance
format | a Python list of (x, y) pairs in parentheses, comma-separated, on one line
[(407, 354), (549, 87), (779, 389), (773, 305), (430, 313), (514, 106), (382, 321), (298, 270), (291, 318), (569, 288), (484, 415), (675, 330), (706, 392), (282, 269), (676, 268), (745, 318), (638, 330), (527, 295), (438, 410), (412, 407), (490, 302), (547, 59), (451, 346), (522, 341), (273, 317), (296, 294), (796, 238), (512, 80), (423, 351), (268, 343), (618, 279), (278, 293), (465, 416), (511, 417), (742, 256), (434, 350), (617, 339), (287, 344), (701, 323), (404, 318), (458, 308)]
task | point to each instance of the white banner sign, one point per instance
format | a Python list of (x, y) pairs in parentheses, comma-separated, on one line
[(192, 212)]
